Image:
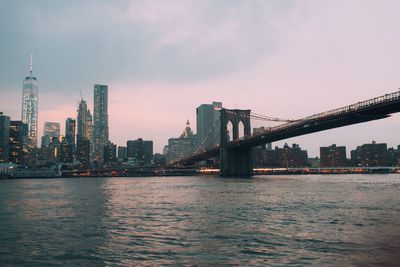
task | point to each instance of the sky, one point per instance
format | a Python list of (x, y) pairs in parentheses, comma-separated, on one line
[(162, 59)]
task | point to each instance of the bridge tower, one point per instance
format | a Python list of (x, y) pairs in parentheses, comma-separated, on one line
[(235, 161)]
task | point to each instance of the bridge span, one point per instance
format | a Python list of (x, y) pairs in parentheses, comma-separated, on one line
[(235, 155)]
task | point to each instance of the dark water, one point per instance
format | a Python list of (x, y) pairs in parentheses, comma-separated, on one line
[(275, 221)]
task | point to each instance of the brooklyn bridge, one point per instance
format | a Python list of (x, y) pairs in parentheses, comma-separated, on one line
[(234, 150)]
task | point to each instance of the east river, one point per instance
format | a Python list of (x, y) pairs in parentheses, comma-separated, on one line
[(332, 220)]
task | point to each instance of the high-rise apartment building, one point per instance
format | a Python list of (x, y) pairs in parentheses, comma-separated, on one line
[(4, 138), (30, 106), (100, 120), (208, 124)]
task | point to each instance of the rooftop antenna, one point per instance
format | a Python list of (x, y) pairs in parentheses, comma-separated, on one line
[(80, 91), (30, 63)]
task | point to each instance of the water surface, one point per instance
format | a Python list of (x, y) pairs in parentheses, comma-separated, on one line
[(349, 220)]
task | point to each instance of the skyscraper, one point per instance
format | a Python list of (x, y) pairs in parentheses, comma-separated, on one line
[(82, 120), (208, 124), (4, 138), (70, 131), (30, 106), (68, 142), (100, 120)]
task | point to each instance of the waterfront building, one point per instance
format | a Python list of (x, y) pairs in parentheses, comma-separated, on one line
[(110, 153), (333, 156), (100, 120), (140, 151), (370, 155), (291, 157), (4, 138), (83, 153), (286, 157), (19, 142), (50, 130), (122, 153), (208, 124), (182, 146), (30, 100)]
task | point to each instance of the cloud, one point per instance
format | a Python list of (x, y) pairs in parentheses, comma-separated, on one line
[(161, 59)]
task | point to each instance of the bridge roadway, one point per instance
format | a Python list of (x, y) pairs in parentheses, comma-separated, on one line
[(369, 110)]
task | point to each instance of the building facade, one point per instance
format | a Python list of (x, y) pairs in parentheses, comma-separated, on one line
[(30, 100), (140, 151), (122, 153), (110, 154), (83, 153), (291, 157), (181, 147), (4, 138), (333, 156), (19, 142), (70, 131), (83, 121), (50, 130), (370, 155), (208, 124), (100, 120)]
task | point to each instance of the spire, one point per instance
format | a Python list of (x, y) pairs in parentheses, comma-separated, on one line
[(30, 64)]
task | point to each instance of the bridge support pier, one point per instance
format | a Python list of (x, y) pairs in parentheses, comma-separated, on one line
[(235, 162)]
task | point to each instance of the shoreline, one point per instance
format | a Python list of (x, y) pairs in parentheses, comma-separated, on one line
[(193, 172)]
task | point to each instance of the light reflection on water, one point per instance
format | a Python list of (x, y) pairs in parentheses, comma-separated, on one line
[(271, 220)]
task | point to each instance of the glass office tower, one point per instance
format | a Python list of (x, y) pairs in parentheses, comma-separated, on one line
[(30, 106)]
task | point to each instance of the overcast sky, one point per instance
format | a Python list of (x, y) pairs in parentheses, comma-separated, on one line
[(162, 59)]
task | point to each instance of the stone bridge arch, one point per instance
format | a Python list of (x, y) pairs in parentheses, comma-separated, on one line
[(235, 162)]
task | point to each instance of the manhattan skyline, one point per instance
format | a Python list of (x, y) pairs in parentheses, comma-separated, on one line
[(300, 60)]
